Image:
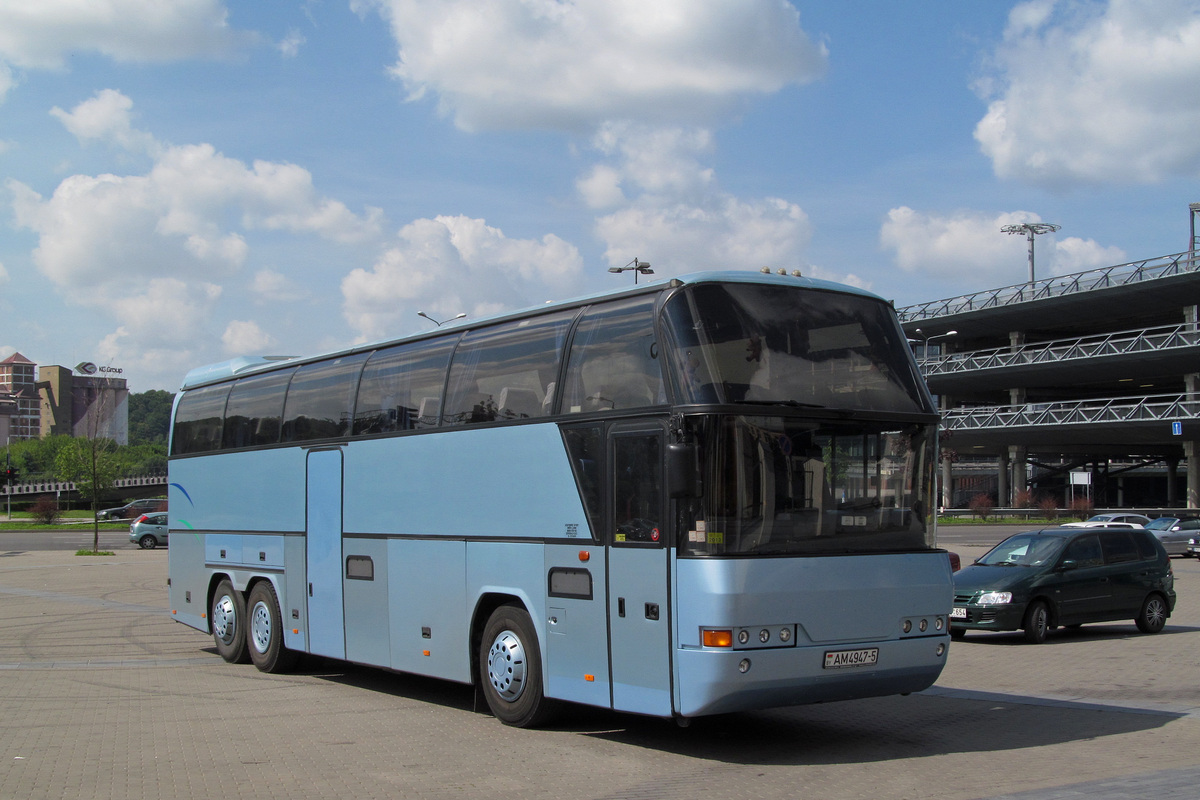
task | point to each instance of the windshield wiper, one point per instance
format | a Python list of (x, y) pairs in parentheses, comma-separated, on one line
[(788, 403)]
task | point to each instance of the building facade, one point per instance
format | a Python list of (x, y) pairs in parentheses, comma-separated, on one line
[(1076, 385), (18, 394), (53, 400)]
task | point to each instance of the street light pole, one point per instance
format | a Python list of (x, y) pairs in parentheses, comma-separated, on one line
[(642, 267), (435, 322), (1031, 229)]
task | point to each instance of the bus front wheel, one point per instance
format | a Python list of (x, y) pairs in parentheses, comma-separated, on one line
[(265, 631), (228, 623), (510, 669)]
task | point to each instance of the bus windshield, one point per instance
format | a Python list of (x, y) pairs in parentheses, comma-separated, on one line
[(754, 343), (784, 486)]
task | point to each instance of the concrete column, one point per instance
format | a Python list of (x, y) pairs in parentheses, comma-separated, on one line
[(1191, 450), (1172, 480), (1020, 469), (1003, 499), (947, 485)]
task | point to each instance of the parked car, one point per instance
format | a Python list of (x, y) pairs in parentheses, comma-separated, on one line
[(1039, 580), (149, 530), (134, 509), (1103, 520), (1175, 533)]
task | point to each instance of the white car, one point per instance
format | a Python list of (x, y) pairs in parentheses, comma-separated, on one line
[(1110, 521)]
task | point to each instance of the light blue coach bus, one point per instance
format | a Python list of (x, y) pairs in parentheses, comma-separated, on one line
[(686, 498)]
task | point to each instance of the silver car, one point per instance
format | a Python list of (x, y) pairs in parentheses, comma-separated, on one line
[(149, 530), (1175, 533)]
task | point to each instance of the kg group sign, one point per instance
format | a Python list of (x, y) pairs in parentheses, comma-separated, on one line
[(88, 368)]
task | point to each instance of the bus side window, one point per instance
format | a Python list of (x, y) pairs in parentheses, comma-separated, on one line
[(320, 400), (506, 372), (401, 388), (637, 489), (255, 409), (199, 420), (614, 359)]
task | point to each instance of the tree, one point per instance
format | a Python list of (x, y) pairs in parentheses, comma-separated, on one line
[(150, 417), (90, 461)]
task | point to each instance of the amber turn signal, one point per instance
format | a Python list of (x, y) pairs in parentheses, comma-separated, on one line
[(718, 638)]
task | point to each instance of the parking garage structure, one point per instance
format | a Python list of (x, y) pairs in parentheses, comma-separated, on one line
[(1078, 384)]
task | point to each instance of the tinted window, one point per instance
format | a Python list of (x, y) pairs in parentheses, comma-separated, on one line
[(1118, 547), (320, 399), (735, 343), (198, 420), (1145, 544), (401, 388), (614, 359), (507, 372), (1085, 551), (254, 411)]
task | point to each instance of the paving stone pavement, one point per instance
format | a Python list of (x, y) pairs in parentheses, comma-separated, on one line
[(102, 695)]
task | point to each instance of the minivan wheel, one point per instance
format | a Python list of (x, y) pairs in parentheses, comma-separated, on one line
[(1153, 616), (1037, 622)]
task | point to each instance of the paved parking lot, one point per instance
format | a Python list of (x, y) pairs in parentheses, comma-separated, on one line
[(103, 696)]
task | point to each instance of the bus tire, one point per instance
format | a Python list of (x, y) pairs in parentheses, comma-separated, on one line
[(264, 631), (510, 669), (228, 623)]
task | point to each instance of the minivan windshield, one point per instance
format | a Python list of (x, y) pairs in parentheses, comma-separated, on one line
[(1023, 550)]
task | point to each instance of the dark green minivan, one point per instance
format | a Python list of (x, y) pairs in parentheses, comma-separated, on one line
[(1039, 580)]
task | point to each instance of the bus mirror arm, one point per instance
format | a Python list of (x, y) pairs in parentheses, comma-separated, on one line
[(683, 474)]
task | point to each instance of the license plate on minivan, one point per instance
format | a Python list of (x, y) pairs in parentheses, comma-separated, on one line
[(842, 659)]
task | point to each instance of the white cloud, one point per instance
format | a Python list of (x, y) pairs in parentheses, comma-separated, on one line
[(1086, 93), (106, 117), (45, 33), (570, 65), (3, 275), (666, 207), (275, 287), (245, 337), (969, 247), (101, 235), (452, 265), (290, 46)]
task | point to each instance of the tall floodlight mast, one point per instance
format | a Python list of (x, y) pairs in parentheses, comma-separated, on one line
[(1031, 229)]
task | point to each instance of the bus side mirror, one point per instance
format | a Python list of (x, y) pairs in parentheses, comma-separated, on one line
[(683, 472)]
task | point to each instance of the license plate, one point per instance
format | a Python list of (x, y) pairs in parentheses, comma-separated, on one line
[(958, 612), (841, 659)]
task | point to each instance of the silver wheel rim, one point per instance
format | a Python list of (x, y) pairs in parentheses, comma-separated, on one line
[(224, 619), (260, 627), (506, 666), (1156, 615)]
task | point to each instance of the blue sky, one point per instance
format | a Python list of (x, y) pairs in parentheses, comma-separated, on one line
[(185, 182)]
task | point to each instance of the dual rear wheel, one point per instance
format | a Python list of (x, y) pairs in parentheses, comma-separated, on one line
[(250, 629)]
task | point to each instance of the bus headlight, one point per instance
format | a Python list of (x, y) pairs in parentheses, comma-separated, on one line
[(994, 598)]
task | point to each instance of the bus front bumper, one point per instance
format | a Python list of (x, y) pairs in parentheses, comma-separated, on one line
[(720, 681)]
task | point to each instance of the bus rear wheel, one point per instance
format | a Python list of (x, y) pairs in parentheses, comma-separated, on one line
[(510, 669), (264, 633), (228, 623)]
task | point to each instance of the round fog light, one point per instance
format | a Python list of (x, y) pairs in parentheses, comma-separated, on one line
[(907, 626), (938, 623), (785, 634), (941, 649), (764, 636), (744, 665), (924, 625), (743, 637)]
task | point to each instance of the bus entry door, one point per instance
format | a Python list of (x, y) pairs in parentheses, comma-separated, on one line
[(639, 611), (324, 554)]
